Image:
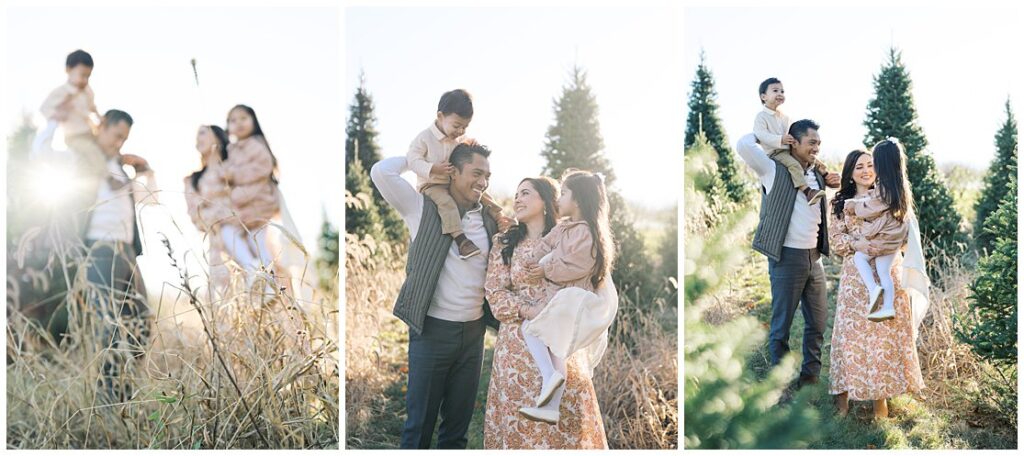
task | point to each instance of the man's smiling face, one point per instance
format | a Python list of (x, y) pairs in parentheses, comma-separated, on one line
[(469, 182), (807, 147)]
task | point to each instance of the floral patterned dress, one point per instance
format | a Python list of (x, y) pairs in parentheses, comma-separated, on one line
[(515, 381), (869, 360)]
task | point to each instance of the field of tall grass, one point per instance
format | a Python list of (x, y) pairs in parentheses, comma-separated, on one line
[(216, 372), (636, 382)]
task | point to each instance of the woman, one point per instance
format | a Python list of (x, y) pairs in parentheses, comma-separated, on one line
[(869, 360), (515, 381), (207, 196)]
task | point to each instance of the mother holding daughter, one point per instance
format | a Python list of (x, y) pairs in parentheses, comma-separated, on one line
[(878, 308), (541, 394)]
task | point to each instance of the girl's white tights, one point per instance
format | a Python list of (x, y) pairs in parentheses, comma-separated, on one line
[(884, 266), (249, 252), (547, 363)]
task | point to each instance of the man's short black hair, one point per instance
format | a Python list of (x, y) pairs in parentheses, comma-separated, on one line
[(456, 101), (763, 89), (78, 57), (463, 153), (800, 128), (116, 116)]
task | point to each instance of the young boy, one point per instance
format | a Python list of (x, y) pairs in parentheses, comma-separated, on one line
[(428, 158), (71, 106), (771, 127)]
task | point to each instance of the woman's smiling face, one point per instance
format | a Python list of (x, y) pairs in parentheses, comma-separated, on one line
[(528, 204), (864, 171)]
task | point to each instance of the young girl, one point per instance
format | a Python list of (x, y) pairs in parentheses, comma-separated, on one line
[(884, 212), (578, 252), (250, 173)]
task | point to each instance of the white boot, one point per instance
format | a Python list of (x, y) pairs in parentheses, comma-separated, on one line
[(877, 293), (551, 384), (539, 414), (887, 312)]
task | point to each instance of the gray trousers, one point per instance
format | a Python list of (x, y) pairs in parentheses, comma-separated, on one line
[(118, 306), (444, 373), (798, 278)]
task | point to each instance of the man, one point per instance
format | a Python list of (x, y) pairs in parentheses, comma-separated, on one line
[(103, 227), (793, 235), (442, 299)]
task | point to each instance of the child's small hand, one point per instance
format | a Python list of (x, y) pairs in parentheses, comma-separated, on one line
[(470, 141), (788, 139), (534, 271), (504, 223), (832, 180), (442, 169), (848, 209)]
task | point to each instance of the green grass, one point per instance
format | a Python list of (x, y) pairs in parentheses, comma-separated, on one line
[(913, 423)]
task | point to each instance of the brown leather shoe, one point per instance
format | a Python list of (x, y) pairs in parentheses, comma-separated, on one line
[(467, 249)]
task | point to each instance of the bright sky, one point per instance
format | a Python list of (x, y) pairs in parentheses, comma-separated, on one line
[(963, 63), (284, 62), (514, 61)]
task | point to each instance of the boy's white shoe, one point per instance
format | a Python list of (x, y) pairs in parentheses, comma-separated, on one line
[(816, 196), (550, 386), (539, 414)]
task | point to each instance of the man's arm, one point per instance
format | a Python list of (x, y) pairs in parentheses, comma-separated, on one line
[(386, 174), (753, 155)]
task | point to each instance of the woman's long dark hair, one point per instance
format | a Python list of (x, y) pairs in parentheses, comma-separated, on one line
[(222, 145), (257, 132), (547, 189), (892, 183), (589, 193), (847, 187)]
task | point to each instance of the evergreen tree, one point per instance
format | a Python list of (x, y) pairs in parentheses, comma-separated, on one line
[(999, 173), (703, 118), (993, 329), (725, 406), (361, 141), (330, 254), (574, 141), (891, 113), (362, 217)]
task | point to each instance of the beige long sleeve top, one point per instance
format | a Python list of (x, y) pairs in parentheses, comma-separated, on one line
[(567, 258), (879, 224), (429, 147), (252, 192), (769, 128), (76, 104)]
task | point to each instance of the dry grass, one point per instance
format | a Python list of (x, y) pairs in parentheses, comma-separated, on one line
[(215, 373), (636, 382)]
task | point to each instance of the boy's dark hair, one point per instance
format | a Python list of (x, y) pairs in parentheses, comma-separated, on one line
[(463, 153), (764, 87), (456, 101), (78, 57), (116, 116), (800, 128)]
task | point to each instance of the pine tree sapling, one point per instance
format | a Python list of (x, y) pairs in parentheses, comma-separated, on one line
[(992, 327), (999, 172), (725, 406), (702, 118), (361, 142), (362, 217), (891, 114)]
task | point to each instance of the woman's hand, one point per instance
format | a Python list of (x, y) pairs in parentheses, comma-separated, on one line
[(534, 271), (529, 312)]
